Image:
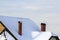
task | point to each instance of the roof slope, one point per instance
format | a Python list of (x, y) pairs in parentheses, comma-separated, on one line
[(28, 27), (12, 24)]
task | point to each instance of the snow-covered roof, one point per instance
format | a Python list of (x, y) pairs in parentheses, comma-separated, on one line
[(30, 31), (42, 35)]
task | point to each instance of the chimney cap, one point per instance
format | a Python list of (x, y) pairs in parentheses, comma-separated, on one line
[(43, 24), (19, 22)]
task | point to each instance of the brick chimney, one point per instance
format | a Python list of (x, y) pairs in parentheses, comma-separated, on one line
[(43, 27), (19, 27)]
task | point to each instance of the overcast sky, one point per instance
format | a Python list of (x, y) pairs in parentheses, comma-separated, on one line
[(47, 11)]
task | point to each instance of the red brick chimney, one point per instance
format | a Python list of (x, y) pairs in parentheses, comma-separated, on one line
[(19, 27), (43, 27)]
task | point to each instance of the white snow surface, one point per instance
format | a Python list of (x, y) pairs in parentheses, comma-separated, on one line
[(30, 31), (2, 36)]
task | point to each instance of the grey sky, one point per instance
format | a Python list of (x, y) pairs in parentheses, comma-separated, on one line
[(47, 11)]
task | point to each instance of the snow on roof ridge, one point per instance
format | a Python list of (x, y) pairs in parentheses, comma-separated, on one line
[(13, 17)]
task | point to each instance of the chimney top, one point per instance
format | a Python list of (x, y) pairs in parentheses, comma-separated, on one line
[(43, 24), (19, 22)]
